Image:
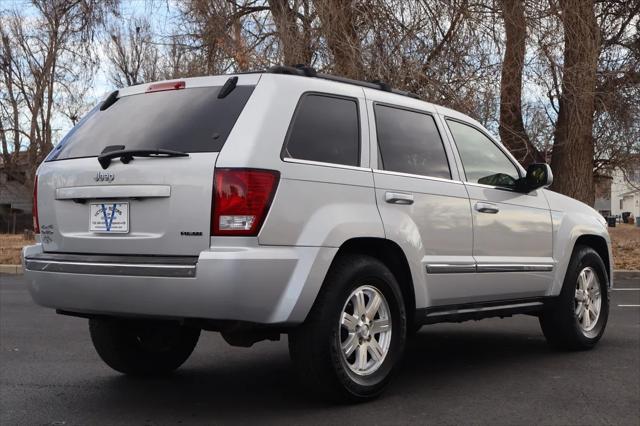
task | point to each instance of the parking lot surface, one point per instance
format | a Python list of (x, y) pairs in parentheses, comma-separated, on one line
[(495, 371)]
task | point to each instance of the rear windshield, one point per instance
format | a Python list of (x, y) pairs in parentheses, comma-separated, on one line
[(188, 120)]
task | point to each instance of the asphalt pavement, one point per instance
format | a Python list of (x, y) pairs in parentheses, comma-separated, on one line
[(494, 371)]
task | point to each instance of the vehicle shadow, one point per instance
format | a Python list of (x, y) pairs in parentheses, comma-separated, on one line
[(266, 388)]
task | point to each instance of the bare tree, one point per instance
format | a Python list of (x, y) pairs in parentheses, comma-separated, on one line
[(512, 130), (294, 26), (219, 35), (558, 79), (339, 28), (573, 148), (41, 58), (133, 55), (616, 130)]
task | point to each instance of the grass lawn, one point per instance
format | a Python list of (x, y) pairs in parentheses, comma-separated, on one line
[(625, 239)]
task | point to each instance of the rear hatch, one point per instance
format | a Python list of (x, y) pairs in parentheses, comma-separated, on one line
[(158, 205)]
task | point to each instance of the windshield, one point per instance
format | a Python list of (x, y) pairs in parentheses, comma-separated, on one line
[(187, 120)]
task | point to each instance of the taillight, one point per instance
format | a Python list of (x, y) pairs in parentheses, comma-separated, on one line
[(241, 200), (34, 209)]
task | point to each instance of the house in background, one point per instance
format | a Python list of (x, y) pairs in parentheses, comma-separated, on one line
[(625, 192), (603, 195)]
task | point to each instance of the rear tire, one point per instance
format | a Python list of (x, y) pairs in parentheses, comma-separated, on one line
[(345, 351), (577, 318), (142, 348)]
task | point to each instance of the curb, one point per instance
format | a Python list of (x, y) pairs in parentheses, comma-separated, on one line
[(11, 269), (625, 274)]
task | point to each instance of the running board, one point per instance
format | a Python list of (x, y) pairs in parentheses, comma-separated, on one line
[(477, 311)]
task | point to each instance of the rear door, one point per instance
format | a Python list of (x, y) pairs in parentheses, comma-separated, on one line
[(512, 231), (145, 206), (424, 207)]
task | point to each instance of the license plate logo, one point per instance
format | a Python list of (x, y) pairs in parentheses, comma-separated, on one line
[(109, 217)]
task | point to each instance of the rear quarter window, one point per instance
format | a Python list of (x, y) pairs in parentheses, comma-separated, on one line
[(188, 120), (326, 129)]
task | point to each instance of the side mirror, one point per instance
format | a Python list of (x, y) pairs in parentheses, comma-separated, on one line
[(539, 175)]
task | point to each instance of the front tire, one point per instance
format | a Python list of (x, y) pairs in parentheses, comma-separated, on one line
[(142, 348), (577, 319), (354, 336)]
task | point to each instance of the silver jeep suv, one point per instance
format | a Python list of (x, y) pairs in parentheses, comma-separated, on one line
[(342, 213)]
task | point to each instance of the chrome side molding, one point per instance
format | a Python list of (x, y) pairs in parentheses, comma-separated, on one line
[(445, 268), (495, 267)]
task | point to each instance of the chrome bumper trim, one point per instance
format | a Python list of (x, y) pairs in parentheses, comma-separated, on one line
[(128, 269)]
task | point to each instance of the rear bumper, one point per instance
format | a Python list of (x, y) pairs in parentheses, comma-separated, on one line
[(261, 284)]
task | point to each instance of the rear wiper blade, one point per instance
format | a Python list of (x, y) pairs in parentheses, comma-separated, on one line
[(126, 155)]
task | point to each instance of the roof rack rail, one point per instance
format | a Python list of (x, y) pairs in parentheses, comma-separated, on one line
[(306, 71)]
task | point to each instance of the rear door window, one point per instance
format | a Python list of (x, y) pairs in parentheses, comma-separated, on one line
[(409, 142), (325, 128), (188, 120)]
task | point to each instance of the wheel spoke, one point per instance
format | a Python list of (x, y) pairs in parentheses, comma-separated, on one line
[(582, 280), (359, 307), (350, 345), (349, 321), (361, 357), (580, 311), (375, 350), (586, 318), (373, 306), (590, 279), (379, 326)]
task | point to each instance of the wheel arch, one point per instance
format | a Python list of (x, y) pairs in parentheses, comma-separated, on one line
[(389, 253), (599, 241), (575, 223), (599, 244)]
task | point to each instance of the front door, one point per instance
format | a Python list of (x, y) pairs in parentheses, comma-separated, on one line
[(512, 231)]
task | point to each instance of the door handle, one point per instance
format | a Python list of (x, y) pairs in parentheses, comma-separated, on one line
[(398, 198), (486, 208)]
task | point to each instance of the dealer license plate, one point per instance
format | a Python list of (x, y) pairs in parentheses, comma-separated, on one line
[(109, 217)]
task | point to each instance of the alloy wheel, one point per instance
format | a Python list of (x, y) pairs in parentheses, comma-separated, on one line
[(365, 330), (588, 299)]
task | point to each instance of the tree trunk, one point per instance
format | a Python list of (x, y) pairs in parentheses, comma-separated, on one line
[(338, 18), (512, 131), (295, 45), (573, 149)]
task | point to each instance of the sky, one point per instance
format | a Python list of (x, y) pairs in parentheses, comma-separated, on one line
[(160, 14)]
